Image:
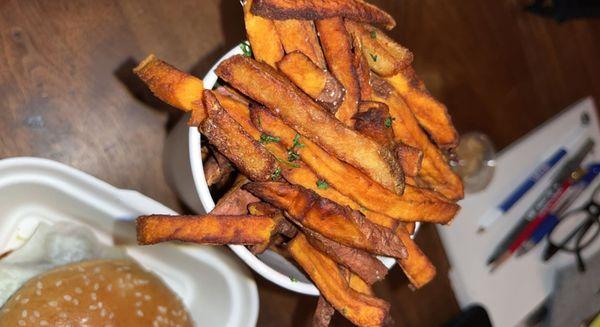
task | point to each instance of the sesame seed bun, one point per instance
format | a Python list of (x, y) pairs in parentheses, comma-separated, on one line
[(95, 293)]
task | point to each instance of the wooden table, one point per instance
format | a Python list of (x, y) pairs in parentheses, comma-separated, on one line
[(67, 93)]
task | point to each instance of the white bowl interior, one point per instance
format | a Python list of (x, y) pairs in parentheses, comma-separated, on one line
[(270, 265)]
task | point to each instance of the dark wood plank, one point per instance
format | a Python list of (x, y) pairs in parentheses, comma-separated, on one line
[(67, 93)]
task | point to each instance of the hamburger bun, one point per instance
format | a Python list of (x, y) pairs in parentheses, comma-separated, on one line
[(95, 293)]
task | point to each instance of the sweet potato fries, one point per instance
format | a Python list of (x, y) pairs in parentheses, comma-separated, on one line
[(337, 145)]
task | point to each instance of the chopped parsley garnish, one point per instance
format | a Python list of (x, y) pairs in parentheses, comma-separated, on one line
[(322, 184), (245, 46), (276, 174), (297, 143), (388, 122), (373, 56), (373, 34), (293, 156), (266, 138), (293, 279)]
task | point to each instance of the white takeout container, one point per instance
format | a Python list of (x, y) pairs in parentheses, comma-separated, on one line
[(216, 288), (186, 173)]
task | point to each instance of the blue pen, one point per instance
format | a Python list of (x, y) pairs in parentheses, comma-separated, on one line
[(494, 213), (552, 219)]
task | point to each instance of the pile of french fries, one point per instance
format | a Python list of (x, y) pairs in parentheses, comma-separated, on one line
[(338, 144)]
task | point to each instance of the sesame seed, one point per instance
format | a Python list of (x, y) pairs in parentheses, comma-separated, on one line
[(39, 284), (24, 301), (147, 297), (103, 313), (67, 297), (96, 270), (21, 323), (96, 286), (111, 315), (94, 297), (100, 304), (18, 297), (57, 284), (53, 303), (75, 302), (36, 313), (138, 294), (78, 290), (162, 309), (38, 292), (93, 307), (24, 313), (43, 323), (139, 313)]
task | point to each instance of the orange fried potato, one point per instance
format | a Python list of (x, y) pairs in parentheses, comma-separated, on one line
[(357, 283), (337, 47), (263, 37), (430, 113), (282, 225), (435, 170), (179, 89), (384, 55), (363, 72), (358, 261), (319, 9), (340, 224), (410, 158), (206, 229), (374, 121), (360, 309), (323, 313), (414, 205), (416, 265), (313, 80), (231, 140), (300, 35), (263, 84)]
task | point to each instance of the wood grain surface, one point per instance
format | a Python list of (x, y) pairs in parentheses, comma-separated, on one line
[(67, 93)]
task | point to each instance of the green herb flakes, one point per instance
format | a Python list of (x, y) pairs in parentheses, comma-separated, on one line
[(245, 46), (276, 174), (373, 56), (388, 122), (266, 138), (322, 184)]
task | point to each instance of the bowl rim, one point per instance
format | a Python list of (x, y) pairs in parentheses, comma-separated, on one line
[(203, 192)]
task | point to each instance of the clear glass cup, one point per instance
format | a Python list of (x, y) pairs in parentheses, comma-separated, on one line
[(474, 160)]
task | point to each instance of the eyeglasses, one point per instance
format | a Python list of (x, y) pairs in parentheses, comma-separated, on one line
[(576, 230)]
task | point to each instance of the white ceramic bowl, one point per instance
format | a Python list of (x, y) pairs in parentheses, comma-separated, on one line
[(186, 173)]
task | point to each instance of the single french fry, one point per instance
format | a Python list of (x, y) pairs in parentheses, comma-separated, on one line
[(430, 113), (358, 261), (340, 224), (284, 226), (363, 72), (313, 80), (414, 205), (435, 171), (416, 265), (337, 48), (410, 158), (323, 313), (360, 309), (300, 35), (231, 140), (264, 40), (206, 229), (318, 9), (217, 170), (384, 55), (179, 89), (374, 121), (263, 84)]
